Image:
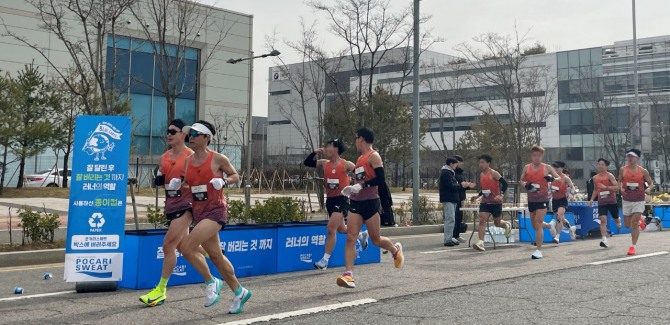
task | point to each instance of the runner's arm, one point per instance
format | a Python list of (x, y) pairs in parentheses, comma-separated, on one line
[(595, 192), (349, 166), (647, 178), (159, 180), (615, 184), (227, 168), (311, 162), (502, 181), (622, 188), (522, 181), (571, 185), (552, 172), (376, 163)]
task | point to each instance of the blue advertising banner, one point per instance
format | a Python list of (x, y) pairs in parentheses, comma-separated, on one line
[(97, 212), (252, 250)]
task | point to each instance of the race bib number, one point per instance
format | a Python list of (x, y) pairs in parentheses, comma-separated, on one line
[(333, 184), (632, 186), (554, 189), (486, 193), (360, 173), (604, 195), (172, 194), (199, 192)]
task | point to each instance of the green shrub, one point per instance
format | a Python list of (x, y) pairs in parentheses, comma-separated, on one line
[(237, 212), (37, 227), (156, 217), (428, 212), (274, 209)]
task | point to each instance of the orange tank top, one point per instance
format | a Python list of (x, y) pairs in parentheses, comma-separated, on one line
[(604, 196), (364, 172), (208, 202), (490, 187), (559, 188), (633, 182), (335, 178), (540, 193), (176, 200)]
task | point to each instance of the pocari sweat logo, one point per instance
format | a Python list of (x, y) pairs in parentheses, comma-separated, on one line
[(96, 267), (100, 140), (179, 270), (96, 221), (307, 258)]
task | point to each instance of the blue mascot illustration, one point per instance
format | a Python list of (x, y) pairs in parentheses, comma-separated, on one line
[(101, 141)]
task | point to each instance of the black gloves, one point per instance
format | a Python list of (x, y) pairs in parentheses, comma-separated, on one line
[(549, 178), (529, 187)]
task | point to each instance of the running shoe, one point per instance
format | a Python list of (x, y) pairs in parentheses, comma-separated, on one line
[(508, 230), (603, 243), (154, 298), (618, 223), (557, 240), (449, 244), (346, 281), (455, 241), (479, 246), (552, 227), (537, 255), (213, 292), (398, 257), (631, 250), (322, 264), (461, 240), (573, 232), (239, 301), (363, 239)]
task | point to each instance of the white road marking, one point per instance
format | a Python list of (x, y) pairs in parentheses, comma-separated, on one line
[(302, 312), (417, 236), (19, 297), (628, 258), (37, 251), (463, 249)]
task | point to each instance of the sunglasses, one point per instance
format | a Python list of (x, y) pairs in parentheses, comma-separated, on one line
[(194, 134), (172, 131)]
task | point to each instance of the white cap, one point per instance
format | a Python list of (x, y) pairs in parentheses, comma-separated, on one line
[(631, 153), (201, 128)]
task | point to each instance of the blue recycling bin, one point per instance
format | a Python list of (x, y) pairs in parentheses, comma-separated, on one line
[(251, 249), (302, 244), (587, 219), (529, 234)]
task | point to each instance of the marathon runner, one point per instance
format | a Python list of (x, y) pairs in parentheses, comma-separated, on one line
[(364, 206), (493, 191), (605, 189), (632, 178), (207, 173), (562, 190), (535, 178), (335, 178)]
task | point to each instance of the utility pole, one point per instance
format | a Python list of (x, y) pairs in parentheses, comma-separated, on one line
[(415, 117), (637, 113)]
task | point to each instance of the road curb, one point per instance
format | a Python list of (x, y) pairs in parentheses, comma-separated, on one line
[(49, 256), (36, 257)]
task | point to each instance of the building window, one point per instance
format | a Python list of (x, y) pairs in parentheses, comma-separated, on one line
[(280, 92)]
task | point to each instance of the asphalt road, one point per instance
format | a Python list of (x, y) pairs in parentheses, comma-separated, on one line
[(436, 286)]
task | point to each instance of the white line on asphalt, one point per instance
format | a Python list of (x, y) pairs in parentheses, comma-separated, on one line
[(38, 251), (629, 258), (416, 236), (30, 267), (38, 295), (460, 249), (301, 312)]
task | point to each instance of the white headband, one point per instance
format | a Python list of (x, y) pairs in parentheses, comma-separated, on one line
[(630, 153)]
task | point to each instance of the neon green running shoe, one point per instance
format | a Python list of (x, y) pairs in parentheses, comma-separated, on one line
[(154, 298)]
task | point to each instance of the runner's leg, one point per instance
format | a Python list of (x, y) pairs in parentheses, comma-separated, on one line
[(203, 231), (635, 227), (177, 231), (354, 225), (213, 247), (483, 218), (376, 237), (539, 225)]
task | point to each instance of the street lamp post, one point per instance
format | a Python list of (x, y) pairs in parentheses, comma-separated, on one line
[(251, 58), (415, 117)]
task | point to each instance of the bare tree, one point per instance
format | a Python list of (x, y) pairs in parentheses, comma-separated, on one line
[(370, 30), (502, 75), (173, 28), (82, 27), (659, 106)]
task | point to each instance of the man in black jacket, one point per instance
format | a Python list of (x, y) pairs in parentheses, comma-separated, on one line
[(449, 197), (460, 178), (590, 186)]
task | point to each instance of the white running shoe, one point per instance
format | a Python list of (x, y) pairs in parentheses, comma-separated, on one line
[(322, 264), (461, 240), (239, 301), (537, 255), (557, 239), (573, 232), (508, 230), (552, 228), (363, 239), (213, 292), (479, 246), (603, 243)]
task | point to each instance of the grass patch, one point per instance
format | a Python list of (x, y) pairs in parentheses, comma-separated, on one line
[(31, 247), (55, 192)]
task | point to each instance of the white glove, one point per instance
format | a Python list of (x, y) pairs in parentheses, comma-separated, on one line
[(346, 191), (218, 183), (159, 173), (356, 188), (174, 184)]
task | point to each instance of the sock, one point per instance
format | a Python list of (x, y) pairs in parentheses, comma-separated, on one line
[(205, 255), (162, 284), (238, 291), (210, 281), (349, 273), (604, 238), (326, 257)]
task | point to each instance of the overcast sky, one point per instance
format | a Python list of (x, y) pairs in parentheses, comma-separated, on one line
[(560, 25)]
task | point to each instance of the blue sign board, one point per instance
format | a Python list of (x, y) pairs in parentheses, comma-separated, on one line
[(97, 212), (528, 235), (252, 250)]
